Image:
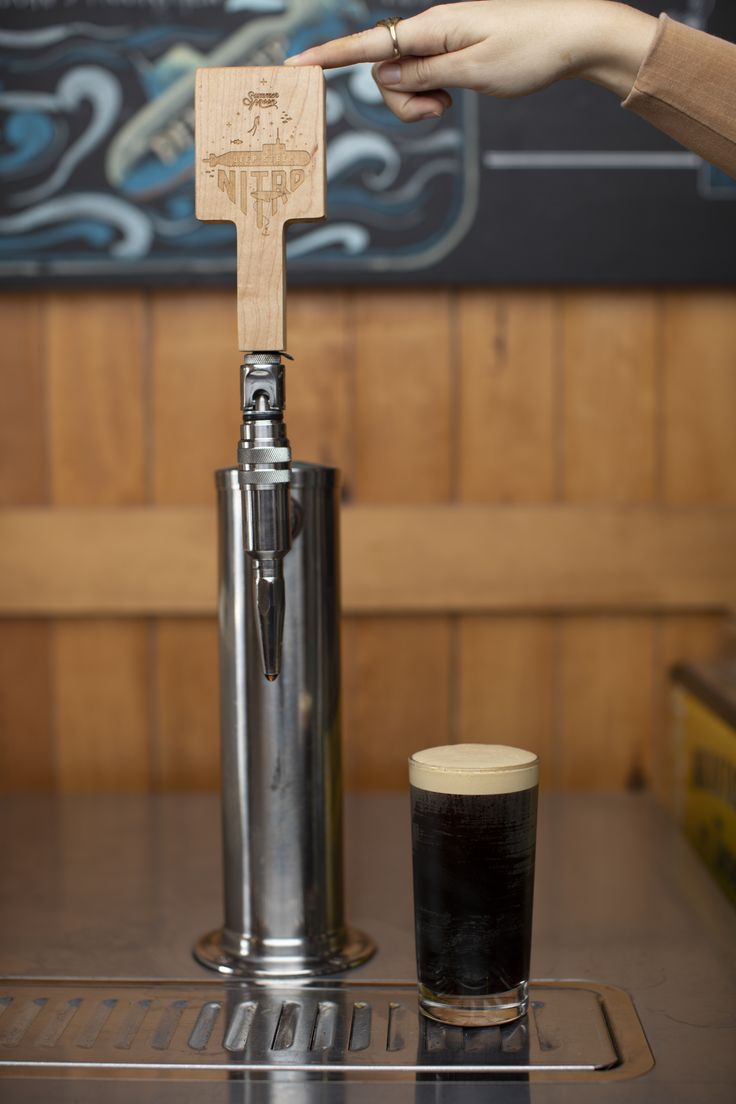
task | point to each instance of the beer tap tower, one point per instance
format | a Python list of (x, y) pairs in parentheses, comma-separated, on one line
[(260, 151)]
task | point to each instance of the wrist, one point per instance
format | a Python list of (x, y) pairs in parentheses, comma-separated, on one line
[(619, 39)]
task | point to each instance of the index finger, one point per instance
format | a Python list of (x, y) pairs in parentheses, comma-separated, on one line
[(418, 35), (375, 44)]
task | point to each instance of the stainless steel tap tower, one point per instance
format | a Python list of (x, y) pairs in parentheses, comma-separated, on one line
[(279, 562), (281, 780)]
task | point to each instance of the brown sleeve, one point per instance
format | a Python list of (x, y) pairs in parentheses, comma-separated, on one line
[(686, 86)]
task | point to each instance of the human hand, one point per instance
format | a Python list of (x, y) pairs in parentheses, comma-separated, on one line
[(500, 48)]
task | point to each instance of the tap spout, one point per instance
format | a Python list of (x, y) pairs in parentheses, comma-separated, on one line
[(268, 583)]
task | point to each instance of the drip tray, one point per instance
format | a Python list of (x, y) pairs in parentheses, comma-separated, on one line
[(574, 1031)]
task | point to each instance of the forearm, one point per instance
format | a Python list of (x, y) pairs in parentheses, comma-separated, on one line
[(617, 40)]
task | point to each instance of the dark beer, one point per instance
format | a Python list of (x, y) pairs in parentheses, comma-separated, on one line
[(473, 836)]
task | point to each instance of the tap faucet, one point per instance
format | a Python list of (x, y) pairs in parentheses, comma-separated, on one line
[(264, 474)]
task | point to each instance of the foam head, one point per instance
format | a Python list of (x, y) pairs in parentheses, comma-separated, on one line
[(474, 769)]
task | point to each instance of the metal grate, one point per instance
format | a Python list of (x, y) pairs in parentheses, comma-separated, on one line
[(337, 1028)]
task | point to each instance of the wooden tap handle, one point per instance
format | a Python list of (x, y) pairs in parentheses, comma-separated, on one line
[(260, 163)]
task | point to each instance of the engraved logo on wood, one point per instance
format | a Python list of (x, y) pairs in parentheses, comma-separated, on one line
[(261, 99), (267, 176), (259, 180)]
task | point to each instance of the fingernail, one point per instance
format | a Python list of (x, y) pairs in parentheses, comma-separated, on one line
[(389, 74), (431, 115), (291, 60)]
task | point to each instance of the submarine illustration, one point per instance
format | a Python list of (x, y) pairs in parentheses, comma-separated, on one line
[(270, 155), (234, 167)]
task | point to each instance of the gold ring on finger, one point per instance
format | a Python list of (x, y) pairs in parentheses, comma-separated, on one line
[(390, 25)]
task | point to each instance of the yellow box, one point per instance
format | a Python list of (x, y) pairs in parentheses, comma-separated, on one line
[(705, 732)]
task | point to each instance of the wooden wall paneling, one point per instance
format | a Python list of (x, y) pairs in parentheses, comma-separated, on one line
[(506, 359), (699, 467), (187, 705), (396, 559), (396, 696), (196, 418), (700, 397), (23, 451), (26, 739), (402, 431), (609, 392), (507, 453), (507, 670), (398, 671), (319, 383), (95, 378), (96, 357), (390, 426), (607, 700), (196, 393), (609, 454), (102, 699), (679, 639)]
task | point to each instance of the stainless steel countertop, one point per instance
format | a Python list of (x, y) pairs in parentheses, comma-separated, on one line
[(120, 887)]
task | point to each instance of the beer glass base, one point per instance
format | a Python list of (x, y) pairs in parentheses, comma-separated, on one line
[(484, 1011)]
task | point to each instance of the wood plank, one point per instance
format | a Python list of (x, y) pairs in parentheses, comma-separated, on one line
[(461, 558), (187, 705), (507, 668), (506, 353), (680, 638), (26, 742), (609, 392), (102, 695), (260, 163), (606, 702), (23, 445), (402, 435), (396, 696), (95, 372), (319, 382), (196, 396), (542, 558), (700, 397)]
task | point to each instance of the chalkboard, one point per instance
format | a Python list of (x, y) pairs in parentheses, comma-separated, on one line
[(562, 187)]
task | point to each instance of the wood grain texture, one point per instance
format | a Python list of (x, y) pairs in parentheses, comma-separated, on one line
[(102, 674), (514, 559), (606, 701), (507, 669), (396, 696), (544, 558), (384, 383), (260, 163), (679, 639), (700, 398), (320, 381), (187, 720), (507, 406), (196, 400), (609, 444), (26, 735), (95, 354), (401, 433), (26, 715), (23, 445)]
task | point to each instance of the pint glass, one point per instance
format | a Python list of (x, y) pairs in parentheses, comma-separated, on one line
[(473, 809)]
